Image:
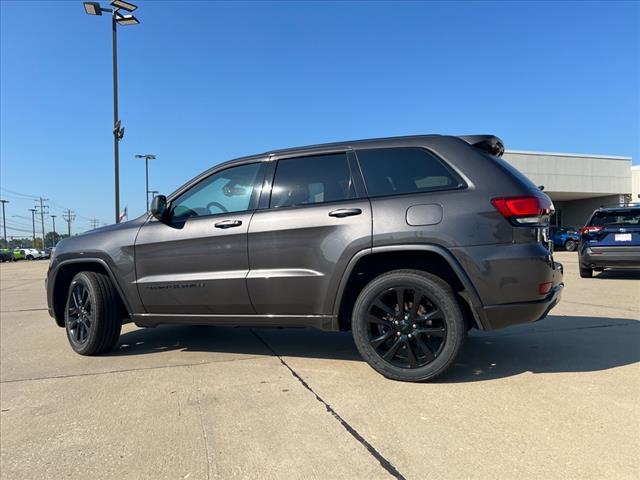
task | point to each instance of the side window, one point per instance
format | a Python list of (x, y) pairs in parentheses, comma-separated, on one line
[(316, 179), (393, 171), (223, 192)]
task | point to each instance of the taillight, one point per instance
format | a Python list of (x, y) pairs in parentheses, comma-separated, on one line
[(529, 210), (591, 229)]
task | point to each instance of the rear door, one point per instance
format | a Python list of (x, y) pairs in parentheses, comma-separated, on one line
[(196, 262), (316, 217)]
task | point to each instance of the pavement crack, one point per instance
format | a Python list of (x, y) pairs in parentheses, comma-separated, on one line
[(124, 370), (205, 441), (385, 463)]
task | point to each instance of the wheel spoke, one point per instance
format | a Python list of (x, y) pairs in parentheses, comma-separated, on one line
[(72, 323), (385, 308), (426, 350), (85, 298), (432, 331), (400, 294), (433, 315), (417, 296), (380, 321), (413, 361), (392, 351), (376, 342), (76, 299)]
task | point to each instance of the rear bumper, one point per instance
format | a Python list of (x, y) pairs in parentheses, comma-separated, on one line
[(610, 257), (501, 316)]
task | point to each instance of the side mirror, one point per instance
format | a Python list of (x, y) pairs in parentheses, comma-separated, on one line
[(159, 208)]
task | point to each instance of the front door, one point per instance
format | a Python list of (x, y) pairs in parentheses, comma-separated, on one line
[(317, 219), (196, 261)]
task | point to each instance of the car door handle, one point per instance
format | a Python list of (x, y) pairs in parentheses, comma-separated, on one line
[(228, 224), (345, 212)]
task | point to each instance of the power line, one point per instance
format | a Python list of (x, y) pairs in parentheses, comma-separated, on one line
[(94, 223)]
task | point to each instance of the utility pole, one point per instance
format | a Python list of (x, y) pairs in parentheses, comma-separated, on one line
[(41, 211), (69, 217), (94, 223), (4, 225), (53, 240), (33, 222)]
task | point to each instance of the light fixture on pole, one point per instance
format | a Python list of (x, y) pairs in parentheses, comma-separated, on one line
[(94, 8), (147, 157)]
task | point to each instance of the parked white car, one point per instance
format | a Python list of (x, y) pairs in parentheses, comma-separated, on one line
[(32, 254)]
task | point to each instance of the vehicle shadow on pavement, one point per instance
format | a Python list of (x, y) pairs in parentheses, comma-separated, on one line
[(618, 275), (555, 345)]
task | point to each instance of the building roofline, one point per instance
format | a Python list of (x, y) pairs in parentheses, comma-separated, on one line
[(557, 154)]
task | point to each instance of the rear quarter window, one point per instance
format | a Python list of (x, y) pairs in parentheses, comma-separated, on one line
[(396, 171)]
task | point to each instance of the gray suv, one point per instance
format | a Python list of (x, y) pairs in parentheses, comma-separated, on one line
[(408, 242)]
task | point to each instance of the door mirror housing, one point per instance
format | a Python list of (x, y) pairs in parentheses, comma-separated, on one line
[(159, 207)]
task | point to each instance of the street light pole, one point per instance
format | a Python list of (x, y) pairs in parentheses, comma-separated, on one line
[(116, 122), (147, 157), (4, 224), (94, 8)]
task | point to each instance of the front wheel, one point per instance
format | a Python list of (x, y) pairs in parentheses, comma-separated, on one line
[(92, 314), (570, 246), (408, 326)]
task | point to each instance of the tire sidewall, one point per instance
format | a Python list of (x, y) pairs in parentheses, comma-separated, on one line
[(440, 294)]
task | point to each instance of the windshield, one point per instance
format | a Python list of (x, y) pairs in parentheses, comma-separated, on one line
[(618, 218)]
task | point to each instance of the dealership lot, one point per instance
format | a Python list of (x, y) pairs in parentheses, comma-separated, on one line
[(556, 399)]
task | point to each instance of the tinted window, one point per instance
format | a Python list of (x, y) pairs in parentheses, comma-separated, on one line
[(307, 180), (226, 191), (393, 171), (621, 218)]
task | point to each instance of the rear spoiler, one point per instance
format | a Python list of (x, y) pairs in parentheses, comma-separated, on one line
[(489, 143)]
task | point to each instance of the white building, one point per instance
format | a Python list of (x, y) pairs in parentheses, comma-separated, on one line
[(579, 183)]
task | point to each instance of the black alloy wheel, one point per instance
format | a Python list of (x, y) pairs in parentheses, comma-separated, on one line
[(407, 325), (79, 318)]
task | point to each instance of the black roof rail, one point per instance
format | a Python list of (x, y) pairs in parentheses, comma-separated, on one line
[(488, 143)]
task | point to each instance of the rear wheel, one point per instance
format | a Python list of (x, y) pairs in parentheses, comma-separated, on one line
[(92, 314), (586, 272), (570, 246), (408, 326)]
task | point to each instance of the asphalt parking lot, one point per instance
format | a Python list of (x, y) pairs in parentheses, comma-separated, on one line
[(556, 399)]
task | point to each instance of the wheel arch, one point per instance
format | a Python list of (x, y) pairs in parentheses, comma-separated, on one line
[(370, 263), (64, 273)]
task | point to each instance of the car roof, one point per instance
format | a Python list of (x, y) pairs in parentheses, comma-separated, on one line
[(620, 208)]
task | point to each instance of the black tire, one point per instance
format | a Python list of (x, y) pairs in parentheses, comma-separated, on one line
[(570, 246), (93, 314), (29, 257), (586, 272), (430, 332)]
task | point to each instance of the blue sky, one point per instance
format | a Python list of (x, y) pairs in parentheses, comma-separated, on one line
[(205, 82)]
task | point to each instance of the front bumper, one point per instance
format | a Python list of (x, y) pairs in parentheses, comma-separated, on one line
[(610, 257)]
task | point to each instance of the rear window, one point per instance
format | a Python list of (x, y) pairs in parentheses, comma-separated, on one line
[(394, 171), (620, 218)]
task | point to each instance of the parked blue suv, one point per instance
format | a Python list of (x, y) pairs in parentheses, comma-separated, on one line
[(566, 238), (611, 238)]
